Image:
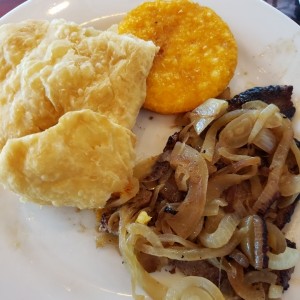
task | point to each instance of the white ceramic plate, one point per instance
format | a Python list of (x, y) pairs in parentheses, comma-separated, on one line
[(50, 253)]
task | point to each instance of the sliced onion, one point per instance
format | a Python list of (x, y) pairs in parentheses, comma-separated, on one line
[(200, 217), (198, 229), (172, 238), (242, 289), (138, 229), (212, 222), (275, 121), (254, 244), (265, 140), (276, 238), (265, 200), (285, 202), (212, 208), (205, 113), (237, 166), (296, 151), (209, 143), (260, 276), (256, 186), (289, 185), (180, 253), (155, 193), (255, 104), (261, 120), (222, 181), (181, 177), (221, 264), (194, 287), (285, 260), (153, 287), (239, 197), (275, 291), (191, 209), (224, 152), (240, 258), (223, 233), (236, 133)]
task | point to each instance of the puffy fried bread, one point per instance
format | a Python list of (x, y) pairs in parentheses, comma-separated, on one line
[(50, 68), (79, 162)]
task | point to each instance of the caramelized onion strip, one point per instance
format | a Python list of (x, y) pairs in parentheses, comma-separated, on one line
[(285, 260), (265, 140), (275, 291), (153, 287), (209, 142), (296, 151), (289, 185), (222, 181), (223, 233), (236, 133), (260, 276), (172, 238), (181, 253), (276, 239), (265, 200), (194, 286), (245, 291), (261, 120), (213, 207), (207, 112), (224, 152), (194, 202)]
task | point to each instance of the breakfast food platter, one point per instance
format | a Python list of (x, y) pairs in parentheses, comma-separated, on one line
[(50, 252)]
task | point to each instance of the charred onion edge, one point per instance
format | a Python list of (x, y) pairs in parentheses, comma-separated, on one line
[(260, 248), (172, 140)]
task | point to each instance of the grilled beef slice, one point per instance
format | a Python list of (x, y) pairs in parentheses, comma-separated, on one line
[(279, 95)]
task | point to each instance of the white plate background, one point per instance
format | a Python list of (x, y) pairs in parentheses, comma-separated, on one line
[(50, 253)]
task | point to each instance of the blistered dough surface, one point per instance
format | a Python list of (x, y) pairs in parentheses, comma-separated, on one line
[(81, 162), (69, 96), (50, 68)]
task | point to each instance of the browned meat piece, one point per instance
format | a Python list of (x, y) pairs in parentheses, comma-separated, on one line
[(170, 192), (149, 262), (284, 215), (279, 95), (158, 170), (200, 268), (262, 208), (284, 276), (171, 141), (105, 215)]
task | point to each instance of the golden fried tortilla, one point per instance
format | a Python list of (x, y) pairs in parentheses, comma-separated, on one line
[(50, 68), (79, 162)]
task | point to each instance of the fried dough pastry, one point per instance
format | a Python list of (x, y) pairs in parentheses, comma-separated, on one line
[(197, 57), (50, 68), (79, 162)]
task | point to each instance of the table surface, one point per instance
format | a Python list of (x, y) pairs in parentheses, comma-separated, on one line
[(289, 7)]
